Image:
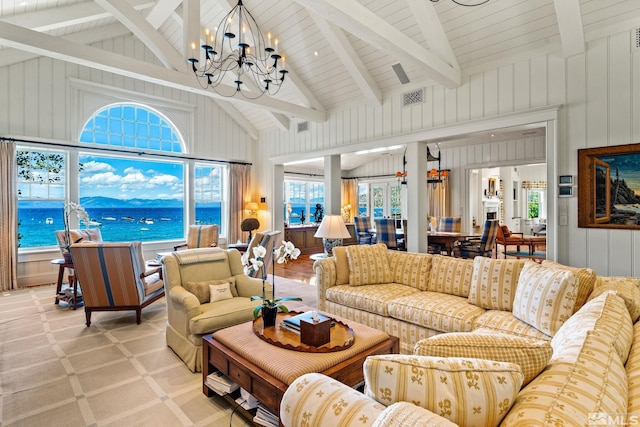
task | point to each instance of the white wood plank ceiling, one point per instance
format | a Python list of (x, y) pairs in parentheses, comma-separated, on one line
[(339, 52)]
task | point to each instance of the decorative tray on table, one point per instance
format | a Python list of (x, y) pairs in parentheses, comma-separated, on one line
[(342, 336)]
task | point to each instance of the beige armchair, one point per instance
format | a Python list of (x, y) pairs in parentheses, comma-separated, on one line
[(192, 312), (200, 236)]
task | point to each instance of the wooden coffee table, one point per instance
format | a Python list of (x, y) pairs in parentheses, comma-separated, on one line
[(230, 350)]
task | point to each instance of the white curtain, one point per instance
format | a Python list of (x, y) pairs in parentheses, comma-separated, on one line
[(239, 185), (439, 197), (9, 221)]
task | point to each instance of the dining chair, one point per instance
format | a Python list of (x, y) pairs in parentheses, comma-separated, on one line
[(363, 224), (482, 246), (268, 240), (386, 233), (450, 224)]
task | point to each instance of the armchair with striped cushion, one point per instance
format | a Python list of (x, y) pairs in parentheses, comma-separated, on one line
[(113, 277), (201, 236)]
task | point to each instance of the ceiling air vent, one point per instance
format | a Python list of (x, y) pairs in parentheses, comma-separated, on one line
[(412, 98), (303, 126), (635, 40)]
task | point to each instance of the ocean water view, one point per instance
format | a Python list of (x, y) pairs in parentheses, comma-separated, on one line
[(37, 225)]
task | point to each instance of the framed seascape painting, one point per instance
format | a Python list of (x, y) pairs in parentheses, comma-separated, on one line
[(609, 187)]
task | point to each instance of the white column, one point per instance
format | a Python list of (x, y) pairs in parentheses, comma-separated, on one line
[(277, 204), (417, 197), (332, 185)]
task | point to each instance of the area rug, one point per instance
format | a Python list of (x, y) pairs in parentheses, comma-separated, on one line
[(57, 372)]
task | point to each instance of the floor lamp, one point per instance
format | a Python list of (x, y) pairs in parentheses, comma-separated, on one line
[(332, 230)]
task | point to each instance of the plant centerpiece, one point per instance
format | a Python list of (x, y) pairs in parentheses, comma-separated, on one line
[(82, 215), (270, 306)]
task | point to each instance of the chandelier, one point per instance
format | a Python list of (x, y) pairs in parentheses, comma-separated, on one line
[(250, 58), (436, 176)]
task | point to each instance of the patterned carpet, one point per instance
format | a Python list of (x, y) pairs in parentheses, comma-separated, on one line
[(57, 372)]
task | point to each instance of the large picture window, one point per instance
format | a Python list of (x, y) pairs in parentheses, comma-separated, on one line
[(304, 201), (128, 193)]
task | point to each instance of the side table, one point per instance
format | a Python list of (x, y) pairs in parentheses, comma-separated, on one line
[(73, 300)]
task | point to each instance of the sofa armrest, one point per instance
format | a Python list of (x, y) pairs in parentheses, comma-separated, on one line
[(182, 306), (326, 277), (402, 414), (339, 406), (249, 286)]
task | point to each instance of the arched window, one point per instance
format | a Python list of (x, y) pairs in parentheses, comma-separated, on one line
[(128, 191)]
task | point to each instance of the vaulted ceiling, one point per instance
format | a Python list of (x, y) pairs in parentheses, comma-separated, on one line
[(339, 52)]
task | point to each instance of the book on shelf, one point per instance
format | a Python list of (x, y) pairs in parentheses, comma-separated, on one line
[(293, 322), (219, 383), (265, 417)]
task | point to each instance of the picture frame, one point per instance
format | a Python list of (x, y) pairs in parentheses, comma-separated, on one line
[(609, 187)]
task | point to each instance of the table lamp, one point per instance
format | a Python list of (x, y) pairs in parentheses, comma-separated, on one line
[(332, 230)]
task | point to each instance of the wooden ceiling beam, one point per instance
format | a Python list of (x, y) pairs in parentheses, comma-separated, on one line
[(53, 47), (366, 25), (570, 25)]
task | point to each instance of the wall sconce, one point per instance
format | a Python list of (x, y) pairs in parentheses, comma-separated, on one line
[(252, 207)]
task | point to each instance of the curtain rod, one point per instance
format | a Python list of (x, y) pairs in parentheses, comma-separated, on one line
[(347, 177), (122, 151)]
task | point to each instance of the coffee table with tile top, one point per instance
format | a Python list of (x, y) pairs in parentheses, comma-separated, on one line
[(266, 370)]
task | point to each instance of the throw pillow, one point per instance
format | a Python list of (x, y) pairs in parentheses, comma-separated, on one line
[(201, 289), (530, 354), (494, 282), (368, 265), (586, 280), (627, 288), (450, 275), (545, 297), (342, 265), (220, 292), (465, 391)]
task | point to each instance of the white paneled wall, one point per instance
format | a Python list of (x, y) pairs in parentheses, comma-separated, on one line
[(47, 99), (42, 103), (600, 94)]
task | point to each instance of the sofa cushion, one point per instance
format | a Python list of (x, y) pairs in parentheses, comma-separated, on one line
[(220, 292), (342, 265), (433, 310), (494, 282), (465, 391), (586, 280), (368, 265), (633, 371), (338, 406), (371, 298), (450, 275), (530, 354), (606, 318), (506, 322), (221, 314), (571, 393), (412, 269), (545, 297), (402, 414), (201, 289), (627, 288)]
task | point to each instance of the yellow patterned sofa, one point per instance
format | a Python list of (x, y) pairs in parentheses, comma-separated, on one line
[(486, 342)]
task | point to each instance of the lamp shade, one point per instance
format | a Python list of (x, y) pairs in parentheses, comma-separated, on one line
[(332, 227), (251, 206)]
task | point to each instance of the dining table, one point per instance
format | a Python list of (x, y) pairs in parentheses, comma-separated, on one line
[(447, 239)]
